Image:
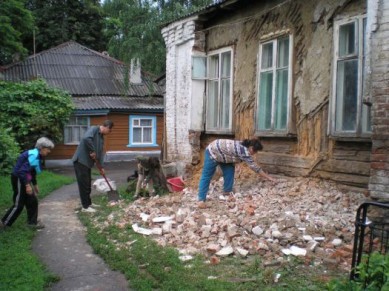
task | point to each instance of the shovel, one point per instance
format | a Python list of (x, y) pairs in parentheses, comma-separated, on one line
[(113, 195)]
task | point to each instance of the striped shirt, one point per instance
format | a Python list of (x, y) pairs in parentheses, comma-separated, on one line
[(231, 151)]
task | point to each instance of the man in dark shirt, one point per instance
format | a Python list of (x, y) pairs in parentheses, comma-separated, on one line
[(90, 149)]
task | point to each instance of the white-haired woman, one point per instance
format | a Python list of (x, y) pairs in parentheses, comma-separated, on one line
[(24, 184)]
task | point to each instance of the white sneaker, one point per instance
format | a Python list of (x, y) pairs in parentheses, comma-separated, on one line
[(89, 209)]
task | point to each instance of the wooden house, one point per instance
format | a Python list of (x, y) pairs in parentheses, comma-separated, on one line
[(309, 78), (99, 91)]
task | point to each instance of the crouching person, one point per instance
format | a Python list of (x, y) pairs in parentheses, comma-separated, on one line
[(25, 186), (149, 173)]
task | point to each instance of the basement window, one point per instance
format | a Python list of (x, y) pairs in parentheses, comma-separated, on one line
[(143, 131), (349, 116), (273, 111), (219, 92), (75, 129)]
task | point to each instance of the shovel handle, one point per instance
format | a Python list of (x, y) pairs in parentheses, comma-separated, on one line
[(102, 173)]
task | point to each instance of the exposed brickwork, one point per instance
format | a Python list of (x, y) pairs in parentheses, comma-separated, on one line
[(379, 174)]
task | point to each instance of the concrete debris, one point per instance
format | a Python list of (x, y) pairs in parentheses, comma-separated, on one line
[(225, 252), (141, 230), (297, 216), (186, 258)]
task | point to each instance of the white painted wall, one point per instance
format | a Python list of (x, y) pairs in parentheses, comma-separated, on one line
[(182, 112)]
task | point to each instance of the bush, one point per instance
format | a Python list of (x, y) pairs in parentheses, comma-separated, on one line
[(371, 274), (9, 151), (32, 110)]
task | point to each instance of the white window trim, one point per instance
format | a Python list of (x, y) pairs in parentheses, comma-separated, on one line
[(332, 113), (67, 125), (153, 143), (219, 52), (289, 126)]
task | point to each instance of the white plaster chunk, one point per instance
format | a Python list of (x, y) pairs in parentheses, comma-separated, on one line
[(144, 216), (162, 219), (319, 238), (141, 230), (257, 230), (225, 252), (242, 252), (307, 237), (336, 242), (157, 231), (185, 258), (296, 251)]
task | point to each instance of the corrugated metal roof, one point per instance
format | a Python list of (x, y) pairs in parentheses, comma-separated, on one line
[(80, 71), (119, 103)]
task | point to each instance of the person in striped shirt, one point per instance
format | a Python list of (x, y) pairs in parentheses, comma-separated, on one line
[(226, 153)]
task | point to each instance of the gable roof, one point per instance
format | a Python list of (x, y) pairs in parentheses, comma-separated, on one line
[(82, 72)]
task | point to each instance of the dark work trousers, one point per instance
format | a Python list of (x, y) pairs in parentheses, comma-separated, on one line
[(21, 199), (84, 181)]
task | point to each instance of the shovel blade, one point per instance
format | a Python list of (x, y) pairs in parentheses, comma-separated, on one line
[(113, 195)]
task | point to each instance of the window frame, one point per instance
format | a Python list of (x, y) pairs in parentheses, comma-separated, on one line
[(153, 142), (73, 126), (219, 129), (288, 131), (360, 43)]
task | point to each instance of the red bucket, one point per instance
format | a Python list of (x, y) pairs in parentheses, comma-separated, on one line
[(176, 183)]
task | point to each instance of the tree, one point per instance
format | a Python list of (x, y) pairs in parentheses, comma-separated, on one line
[(16, 24), (58, 21), (33, 109), (133, 28)]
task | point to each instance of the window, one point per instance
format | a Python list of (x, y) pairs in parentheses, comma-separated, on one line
[(219, 88), (274, 96), (75, 129), (350, 116), (199, 67), (142, 131)]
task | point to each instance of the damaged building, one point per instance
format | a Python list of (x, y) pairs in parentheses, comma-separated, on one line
[(309, 78)]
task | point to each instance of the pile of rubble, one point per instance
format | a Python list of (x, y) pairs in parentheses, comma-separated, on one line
[(297, 216)]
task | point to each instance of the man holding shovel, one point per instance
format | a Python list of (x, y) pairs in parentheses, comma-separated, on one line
[(90, 149)]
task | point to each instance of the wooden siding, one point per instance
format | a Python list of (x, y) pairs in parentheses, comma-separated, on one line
[(117, 140)]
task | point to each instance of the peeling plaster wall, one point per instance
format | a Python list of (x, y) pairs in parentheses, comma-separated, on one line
[(307, 150), (310, 23), (179, 40)]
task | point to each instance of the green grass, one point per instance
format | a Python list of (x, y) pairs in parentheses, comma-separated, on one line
[(148, 266), (20, 269)]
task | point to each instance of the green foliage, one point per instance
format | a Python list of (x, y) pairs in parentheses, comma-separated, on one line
[(31, 110), (20, 269), (61, 21), (16, 24), (9, 150), (371, 274), (133, 29)]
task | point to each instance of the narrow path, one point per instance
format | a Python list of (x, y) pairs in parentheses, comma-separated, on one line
[(63, 248)]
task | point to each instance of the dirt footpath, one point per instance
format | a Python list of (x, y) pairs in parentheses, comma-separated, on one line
[(62, 244)]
